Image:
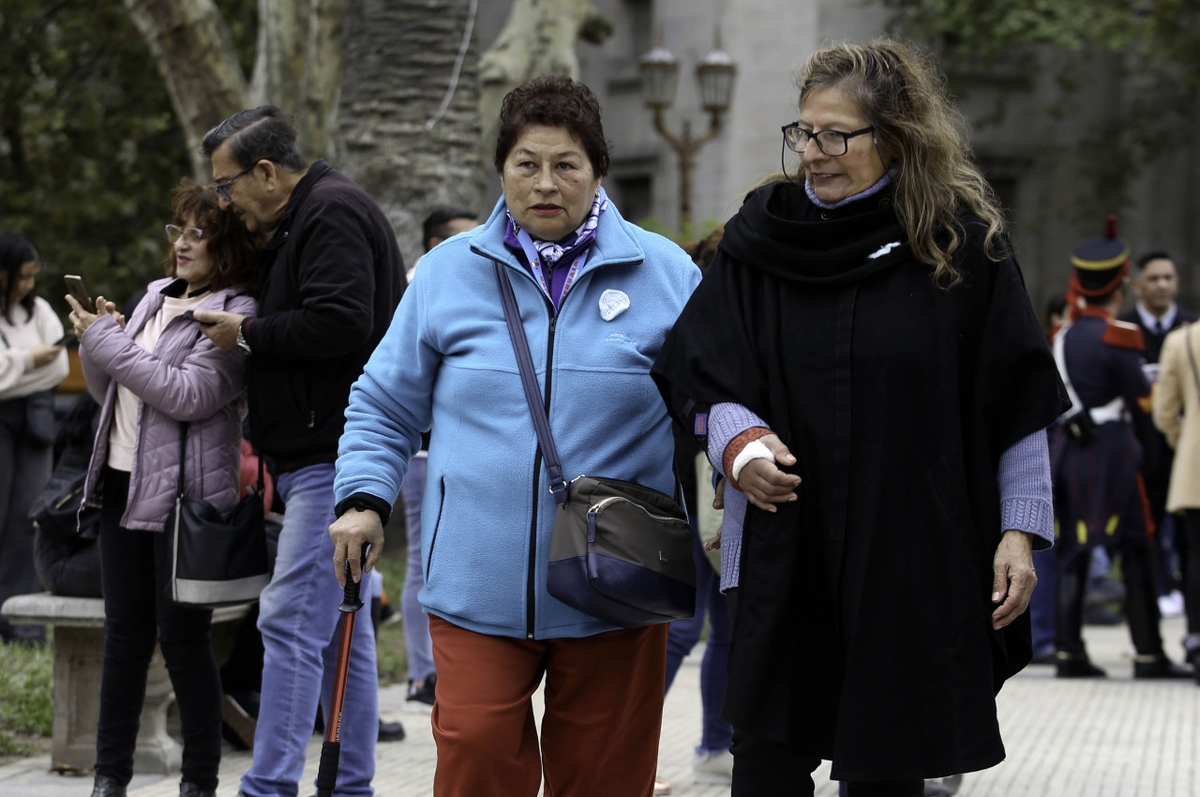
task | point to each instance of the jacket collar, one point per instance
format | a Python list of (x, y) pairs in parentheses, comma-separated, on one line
[(160, 288), (316, 171), (177, 288), (614, 242)]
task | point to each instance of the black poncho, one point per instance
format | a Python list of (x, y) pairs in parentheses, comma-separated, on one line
[(863, 632)]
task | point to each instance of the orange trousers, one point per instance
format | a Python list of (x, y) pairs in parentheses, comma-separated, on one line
[(604, 698)]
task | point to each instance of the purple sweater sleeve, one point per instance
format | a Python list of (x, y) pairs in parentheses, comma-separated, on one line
[(1023, 478), (1026, 499), (725, 422)]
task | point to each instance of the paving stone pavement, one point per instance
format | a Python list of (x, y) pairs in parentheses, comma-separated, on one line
[(1091, 738)]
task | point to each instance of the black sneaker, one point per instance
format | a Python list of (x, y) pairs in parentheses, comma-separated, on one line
[(391, 731), (420, 698)]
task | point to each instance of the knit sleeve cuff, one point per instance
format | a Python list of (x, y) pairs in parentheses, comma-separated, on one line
[(732, 522), (1033, 516), (725, 422)]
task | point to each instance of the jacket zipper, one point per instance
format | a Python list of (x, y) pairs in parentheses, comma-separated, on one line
[(436, 527), (531, 582)]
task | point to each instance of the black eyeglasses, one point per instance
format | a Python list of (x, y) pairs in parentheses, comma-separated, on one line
[(833, 143), (223, 188)]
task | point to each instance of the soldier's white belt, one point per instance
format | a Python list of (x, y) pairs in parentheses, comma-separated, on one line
[(1112, 411)]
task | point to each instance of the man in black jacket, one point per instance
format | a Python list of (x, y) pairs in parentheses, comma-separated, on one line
[(1156, 286), (331, 277)]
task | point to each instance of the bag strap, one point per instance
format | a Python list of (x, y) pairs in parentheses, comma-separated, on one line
[(182, 456), (537, 408), (183, 427)]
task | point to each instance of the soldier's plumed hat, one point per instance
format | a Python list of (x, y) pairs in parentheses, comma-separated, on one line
[(1100, 263)]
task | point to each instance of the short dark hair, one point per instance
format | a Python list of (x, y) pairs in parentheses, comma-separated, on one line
[(1056, 305), (262, 133), (1156, 254), (437, 223), (15, 251), (554, 101), (234, 258)]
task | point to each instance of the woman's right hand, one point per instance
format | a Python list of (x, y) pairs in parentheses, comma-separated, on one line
[(764, 484), (81, 319), (44, 355)]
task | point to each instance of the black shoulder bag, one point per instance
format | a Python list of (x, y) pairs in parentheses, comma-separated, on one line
[(619, 551), (217, 561)]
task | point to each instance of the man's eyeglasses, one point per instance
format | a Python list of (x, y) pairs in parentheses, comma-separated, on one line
[(190, 235), (223, 188), (833, 143)]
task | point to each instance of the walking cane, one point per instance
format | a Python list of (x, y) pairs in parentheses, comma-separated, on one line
[(331, 749)]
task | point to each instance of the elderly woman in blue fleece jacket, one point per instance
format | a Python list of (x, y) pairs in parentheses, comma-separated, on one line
[(597, 296)]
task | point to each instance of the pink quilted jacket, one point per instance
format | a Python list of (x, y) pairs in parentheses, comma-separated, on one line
[(185, 378)]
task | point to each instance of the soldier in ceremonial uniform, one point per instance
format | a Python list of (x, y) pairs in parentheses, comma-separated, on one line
[(1099, 494)]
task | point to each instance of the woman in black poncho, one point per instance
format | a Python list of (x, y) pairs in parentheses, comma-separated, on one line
[(872, 376)]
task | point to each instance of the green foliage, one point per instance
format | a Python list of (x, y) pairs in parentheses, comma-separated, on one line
[(1156, 43), (391, 656), (1164, 30), (26, 695), (688, 234), (89, 146), (241, 16)]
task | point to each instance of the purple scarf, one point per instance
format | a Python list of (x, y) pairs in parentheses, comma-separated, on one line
[(551, 252)]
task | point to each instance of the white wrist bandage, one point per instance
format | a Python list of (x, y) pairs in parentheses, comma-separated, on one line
[(756, 449)]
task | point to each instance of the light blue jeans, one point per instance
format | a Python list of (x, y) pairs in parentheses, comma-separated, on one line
[(416, 623), (298, 618)]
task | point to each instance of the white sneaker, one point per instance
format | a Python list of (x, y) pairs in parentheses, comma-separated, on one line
[(713, 767), (1171, 604), (943, 787)]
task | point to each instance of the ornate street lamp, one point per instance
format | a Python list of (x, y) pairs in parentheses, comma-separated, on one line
[(660, 79)]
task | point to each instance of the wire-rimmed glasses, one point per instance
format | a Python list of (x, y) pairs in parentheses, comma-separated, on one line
[(223, 188), (190, 235)]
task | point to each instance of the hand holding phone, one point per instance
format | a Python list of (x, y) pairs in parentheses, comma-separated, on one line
[(76, 289)]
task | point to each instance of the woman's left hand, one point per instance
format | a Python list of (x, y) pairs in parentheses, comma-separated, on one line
[(1015, 577)]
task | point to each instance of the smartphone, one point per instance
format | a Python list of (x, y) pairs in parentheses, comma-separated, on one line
[(65, 339), (76, 289)]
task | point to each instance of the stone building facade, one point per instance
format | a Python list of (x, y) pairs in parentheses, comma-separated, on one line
[(1042, 147)]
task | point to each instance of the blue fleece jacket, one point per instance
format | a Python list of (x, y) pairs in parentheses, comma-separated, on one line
[(447, 363)]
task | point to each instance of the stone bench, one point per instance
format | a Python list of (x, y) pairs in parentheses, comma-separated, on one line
[(78, 659)]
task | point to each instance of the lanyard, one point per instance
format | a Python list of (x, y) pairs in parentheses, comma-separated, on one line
[(535, 265)]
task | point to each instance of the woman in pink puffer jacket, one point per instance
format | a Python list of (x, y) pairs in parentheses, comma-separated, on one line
[(150, 374)]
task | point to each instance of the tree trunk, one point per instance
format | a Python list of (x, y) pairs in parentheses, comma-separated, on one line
[(537, 39), (299, 65), (194, 54), (394, 138)]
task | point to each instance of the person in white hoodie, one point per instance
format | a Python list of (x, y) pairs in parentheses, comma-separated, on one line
[(32, 363)]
